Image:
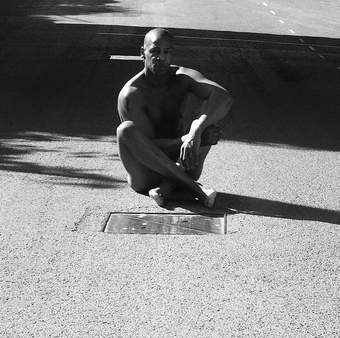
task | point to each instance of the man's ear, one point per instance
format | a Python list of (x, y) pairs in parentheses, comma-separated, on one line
[(142, 55)]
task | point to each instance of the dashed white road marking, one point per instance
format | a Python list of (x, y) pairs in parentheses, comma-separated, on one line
[(292, 31)]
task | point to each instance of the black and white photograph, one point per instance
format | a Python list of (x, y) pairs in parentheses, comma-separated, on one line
[(169, 168)]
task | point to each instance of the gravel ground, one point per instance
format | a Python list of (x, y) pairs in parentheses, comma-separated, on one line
[(272, 276), (275, 274)]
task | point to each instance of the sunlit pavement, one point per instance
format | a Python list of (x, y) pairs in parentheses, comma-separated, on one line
[(283, 17), (278, 164)]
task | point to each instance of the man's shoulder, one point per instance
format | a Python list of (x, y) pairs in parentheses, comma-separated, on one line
[(189, 73), (131, 88), (194, 77)]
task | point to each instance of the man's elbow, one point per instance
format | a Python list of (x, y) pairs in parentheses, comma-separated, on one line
[(226, 97), (225, 101)]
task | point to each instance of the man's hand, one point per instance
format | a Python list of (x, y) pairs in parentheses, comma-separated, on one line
[(189, 153)]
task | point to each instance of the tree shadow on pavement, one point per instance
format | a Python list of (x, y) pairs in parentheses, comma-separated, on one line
[(33, 153), (229, 203), (62, 7), (63, 175)]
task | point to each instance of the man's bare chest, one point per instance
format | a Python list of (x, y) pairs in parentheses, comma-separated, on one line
[(162, 105)]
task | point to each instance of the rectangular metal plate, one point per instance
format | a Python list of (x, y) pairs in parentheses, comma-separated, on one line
[(165, 224)]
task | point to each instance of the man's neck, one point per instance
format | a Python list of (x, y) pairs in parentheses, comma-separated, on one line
[(157, 81)]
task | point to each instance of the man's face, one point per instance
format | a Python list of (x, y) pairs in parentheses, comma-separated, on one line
[(157, 54)]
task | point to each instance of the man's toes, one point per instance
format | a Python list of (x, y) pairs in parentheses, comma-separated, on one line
[(156, 195), (211, 196)]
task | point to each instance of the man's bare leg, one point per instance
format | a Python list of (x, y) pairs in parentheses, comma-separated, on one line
[(196, 172), (140, 177), (162, 193), (151, 157)]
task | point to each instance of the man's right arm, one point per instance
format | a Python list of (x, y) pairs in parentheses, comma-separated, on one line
[(131, 108)]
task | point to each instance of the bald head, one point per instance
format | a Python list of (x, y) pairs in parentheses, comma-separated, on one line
[(157, 34), (157, 52)]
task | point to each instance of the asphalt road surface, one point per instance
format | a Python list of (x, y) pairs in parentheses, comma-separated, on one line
[(307, 17), (278, 164)]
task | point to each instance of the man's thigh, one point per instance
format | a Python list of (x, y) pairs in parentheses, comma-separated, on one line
[(140, 178), (143, 180)]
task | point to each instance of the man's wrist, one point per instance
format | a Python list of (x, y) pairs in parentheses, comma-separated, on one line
[(197, 126), (191, 135)]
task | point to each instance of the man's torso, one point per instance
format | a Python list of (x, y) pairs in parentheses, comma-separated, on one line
[(163, 105)]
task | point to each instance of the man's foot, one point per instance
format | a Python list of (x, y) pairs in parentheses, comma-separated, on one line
[(162, 193), (157, 196), (210, 199)]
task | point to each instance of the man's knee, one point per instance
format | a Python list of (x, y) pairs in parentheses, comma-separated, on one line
[(196, 172), (142, 185), (140, 188), (137, 185), (126, 130)]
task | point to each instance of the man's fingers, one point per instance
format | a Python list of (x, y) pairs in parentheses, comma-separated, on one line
[(189, 153), (181, 154), (184, 156)]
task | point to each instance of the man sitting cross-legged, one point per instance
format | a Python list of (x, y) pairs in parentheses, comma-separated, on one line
[(156, 148)]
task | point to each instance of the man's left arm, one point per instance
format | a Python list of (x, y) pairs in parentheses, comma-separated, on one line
[(217, 102)]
